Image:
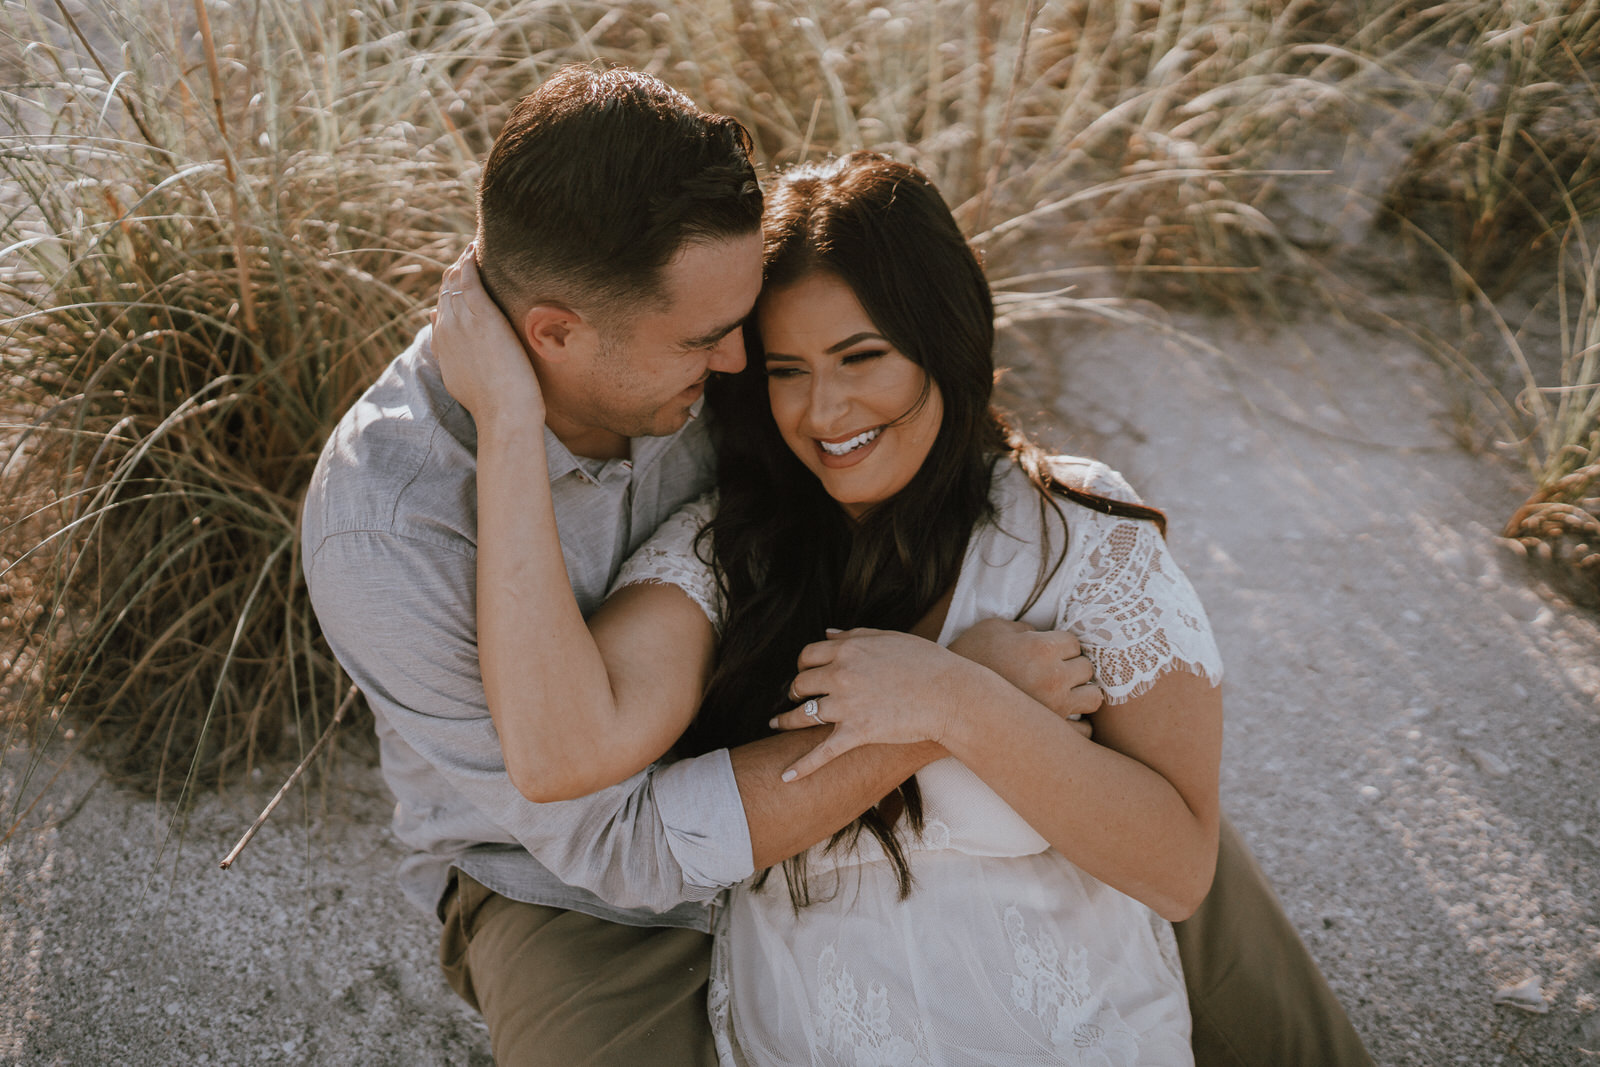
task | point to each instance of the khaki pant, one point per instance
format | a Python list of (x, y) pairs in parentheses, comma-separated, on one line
[(1256, 995), (563, 989)]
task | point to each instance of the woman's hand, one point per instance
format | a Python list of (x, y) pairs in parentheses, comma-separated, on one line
[(484, 365), (878, 687), (1048, 665)]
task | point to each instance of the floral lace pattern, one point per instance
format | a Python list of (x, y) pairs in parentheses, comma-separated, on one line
[(1135, 611), (669, 558), (856, 1029), (1083, 1027)]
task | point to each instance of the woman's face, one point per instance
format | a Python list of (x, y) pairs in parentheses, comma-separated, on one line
[(846, 401)]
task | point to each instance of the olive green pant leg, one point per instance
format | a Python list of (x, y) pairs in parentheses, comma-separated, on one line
[(1257, 997), (565, 989)]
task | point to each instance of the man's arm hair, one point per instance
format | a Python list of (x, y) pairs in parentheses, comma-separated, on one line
[(789, 817)]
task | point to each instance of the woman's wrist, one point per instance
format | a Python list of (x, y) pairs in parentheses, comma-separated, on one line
[(510, 414), (516, 431), (972, 706)]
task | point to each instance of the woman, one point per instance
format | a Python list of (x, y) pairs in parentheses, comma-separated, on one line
[(1010, 904)]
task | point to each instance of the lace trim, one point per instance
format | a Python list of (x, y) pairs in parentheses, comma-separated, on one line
[(669, 558), (1082, 1026), (719, 995), (1136, 613), (1167, 943)]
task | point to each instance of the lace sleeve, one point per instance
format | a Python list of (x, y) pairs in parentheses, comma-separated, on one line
[(669, 558), (1135, 611)]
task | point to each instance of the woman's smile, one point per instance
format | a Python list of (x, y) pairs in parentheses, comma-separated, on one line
[(856, 411), (851, 450)]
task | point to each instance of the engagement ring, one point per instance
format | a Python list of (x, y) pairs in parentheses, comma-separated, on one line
[(811, 711)]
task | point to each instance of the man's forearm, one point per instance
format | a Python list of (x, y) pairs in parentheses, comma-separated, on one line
[(789, 817)]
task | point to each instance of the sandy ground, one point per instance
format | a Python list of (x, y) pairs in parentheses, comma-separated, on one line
[(1411, 749)]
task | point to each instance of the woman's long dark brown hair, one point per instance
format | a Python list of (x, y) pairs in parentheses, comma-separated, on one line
[(789, 560)]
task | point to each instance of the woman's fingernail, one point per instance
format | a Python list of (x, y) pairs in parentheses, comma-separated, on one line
[(789, 776), (772, 724), (833, 630)]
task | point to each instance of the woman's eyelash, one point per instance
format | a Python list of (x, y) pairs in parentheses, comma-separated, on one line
[(858, 357)]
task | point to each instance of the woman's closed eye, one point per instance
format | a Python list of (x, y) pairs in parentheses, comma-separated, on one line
[(864, 356)]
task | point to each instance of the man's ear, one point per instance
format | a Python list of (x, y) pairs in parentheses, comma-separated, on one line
[(554, 332)]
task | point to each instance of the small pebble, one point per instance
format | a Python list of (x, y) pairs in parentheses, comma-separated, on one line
[(1527, 995), (1369, 792), (1570, 828), (1489, 763)]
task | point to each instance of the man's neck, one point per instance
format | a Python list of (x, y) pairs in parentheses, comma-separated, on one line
[(590, 442)]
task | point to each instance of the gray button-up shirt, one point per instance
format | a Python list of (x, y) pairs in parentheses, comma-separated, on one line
[(390, 547)]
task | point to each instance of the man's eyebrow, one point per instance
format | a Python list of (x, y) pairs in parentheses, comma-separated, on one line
[(713, 337)]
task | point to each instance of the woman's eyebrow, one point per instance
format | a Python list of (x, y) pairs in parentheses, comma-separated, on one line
[(855, 338), (832, 349)]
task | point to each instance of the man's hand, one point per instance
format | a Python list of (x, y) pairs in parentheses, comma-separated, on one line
[(1048, 665)]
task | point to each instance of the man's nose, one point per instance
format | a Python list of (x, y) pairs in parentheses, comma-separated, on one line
[(728, 356)]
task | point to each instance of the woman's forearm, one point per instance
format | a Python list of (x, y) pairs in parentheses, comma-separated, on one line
[(1150, 834), (566, 729)]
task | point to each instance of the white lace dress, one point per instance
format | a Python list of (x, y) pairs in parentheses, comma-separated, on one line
[(1005, 952)]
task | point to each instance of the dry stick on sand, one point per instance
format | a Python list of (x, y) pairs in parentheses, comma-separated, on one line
[(266, 812)]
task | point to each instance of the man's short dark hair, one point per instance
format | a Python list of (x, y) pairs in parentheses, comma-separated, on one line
[(597, 180)]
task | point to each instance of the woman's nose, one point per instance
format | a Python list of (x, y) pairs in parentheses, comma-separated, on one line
[(827, 408)]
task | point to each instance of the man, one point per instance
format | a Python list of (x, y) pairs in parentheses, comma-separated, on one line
[(618, 229)]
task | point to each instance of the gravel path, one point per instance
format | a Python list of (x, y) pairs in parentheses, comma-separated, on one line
[(1411, 749)]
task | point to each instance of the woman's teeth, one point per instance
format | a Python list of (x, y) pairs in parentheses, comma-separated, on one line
[(851, 445)]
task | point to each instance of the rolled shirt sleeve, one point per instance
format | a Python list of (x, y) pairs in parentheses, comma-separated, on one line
[(399, 613)]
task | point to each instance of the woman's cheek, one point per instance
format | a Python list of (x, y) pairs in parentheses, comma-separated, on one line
[(785, 412)]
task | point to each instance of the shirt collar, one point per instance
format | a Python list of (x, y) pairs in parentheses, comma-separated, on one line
[(557, 457)]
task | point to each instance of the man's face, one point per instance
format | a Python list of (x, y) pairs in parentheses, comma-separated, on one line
[(642, 380)]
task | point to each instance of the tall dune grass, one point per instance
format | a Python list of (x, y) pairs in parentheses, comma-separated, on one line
[(1502, 186), (219, 220)]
